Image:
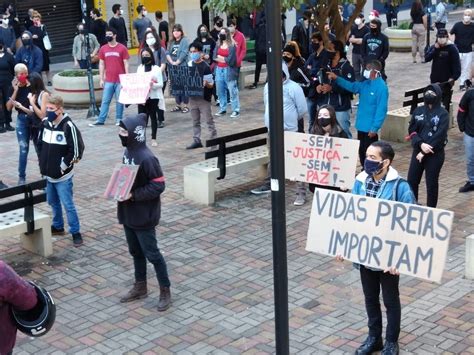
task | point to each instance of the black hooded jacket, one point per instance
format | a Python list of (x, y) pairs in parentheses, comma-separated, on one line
[(430, 125), (143, 210), (466, 113)]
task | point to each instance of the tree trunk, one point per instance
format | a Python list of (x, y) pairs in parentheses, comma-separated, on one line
[(171, 16)]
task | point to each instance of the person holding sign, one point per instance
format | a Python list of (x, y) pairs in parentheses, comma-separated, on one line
[(140, 211), (326, 125), (294, 110), (380, 180), (373, 104), (428, 132), (201, 106), (155, 97), (178, 55)]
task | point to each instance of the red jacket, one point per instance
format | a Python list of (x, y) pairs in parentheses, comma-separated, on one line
[(241, 45), (16, 292)]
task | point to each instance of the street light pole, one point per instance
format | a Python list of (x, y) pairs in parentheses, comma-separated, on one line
[(93, 110), (277, 165)]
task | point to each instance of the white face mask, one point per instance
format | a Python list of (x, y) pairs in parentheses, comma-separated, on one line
[(5, 22), (467, 19), (367, 73), (443, 40), (145, 13), (371, 17), (358, 21), (151, 41), (232, 29), (121, 12)]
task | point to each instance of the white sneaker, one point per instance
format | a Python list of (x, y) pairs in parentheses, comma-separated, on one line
[(235, 114), (300, 200)]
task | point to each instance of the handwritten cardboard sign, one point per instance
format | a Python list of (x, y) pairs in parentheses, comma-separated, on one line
[(380, 233), (185, 80), (320, 160), (135, 88), (121, 182)]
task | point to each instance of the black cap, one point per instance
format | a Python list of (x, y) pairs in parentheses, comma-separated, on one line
[(442, 32)]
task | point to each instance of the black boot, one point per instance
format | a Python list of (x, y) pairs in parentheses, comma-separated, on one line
[(2, 128), (370, 345), (165, 299), (138, 291), (9, 128), (390, 348)]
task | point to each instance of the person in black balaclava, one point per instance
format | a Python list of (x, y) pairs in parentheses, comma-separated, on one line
[(375, 45), (140, 211), (428, 132)]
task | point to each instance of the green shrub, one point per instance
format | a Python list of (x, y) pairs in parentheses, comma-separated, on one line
[(404, 25), (77, 73)]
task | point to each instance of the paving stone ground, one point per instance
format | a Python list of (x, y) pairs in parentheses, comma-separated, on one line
[(220, 259)]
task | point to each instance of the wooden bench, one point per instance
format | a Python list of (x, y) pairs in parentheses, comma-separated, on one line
[(200, 178), (395, 127), (18, 217)]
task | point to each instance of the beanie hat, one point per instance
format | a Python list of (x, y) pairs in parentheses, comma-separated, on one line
[(290, 49), (442, 32)]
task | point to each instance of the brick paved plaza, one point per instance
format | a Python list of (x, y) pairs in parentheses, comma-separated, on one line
[(220, 258)]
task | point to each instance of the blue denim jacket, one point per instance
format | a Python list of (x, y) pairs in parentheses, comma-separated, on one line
[(393, 188)]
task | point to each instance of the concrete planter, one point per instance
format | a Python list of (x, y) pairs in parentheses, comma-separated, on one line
[(400, 40), (75, 89)]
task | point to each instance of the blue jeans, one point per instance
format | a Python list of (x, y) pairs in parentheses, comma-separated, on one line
[(110, 89), (344, 120), (60, 193), (23, 135), (143, 246), (223, 84), (469, 148)]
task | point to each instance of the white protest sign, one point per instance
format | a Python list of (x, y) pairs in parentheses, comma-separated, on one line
[(135, 88), (380, 233), (321, 160)]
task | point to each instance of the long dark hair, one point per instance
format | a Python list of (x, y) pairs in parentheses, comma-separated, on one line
[(208, 37), (157, 44), (148, 50), (416, 8), (318, 129), (36, 84)]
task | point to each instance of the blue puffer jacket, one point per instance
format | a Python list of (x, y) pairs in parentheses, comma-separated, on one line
[(373, 102), (394, 188)]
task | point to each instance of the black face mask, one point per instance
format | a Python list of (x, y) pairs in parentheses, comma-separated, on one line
[(219, 24), (1, 48), (109, 38), (203, 34), (324, 121), (146, 60), (123, 139), (222, 37), (374, 31), (331, 55), (315, 46), (287, 59), (429, 99), (26, 42), (81, 32)]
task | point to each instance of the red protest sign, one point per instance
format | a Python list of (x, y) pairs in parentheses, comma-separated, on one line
[(321, 160), (135, 88), (121, 182)]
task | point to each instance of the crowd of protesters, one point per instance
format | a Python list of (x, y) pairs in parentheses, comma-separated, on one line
[(319, 87)]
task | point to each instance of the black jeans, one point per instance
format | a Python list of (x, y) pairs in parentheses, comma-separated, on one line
[(431, 164), (259, 61), (371, 283), (151, 110), (365, 142), (447, 94), (439, 25), (143, 246)]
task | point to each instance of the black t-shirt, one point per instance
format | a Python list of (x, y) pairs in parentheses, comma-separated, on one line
[(22, 97), (358, 33), (163, 27), (119, 25), (204, 69), (464, 36), (7, 63), (417, 17)]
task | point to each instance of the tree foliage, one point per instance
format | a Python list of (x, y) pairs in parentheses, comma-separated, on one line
[(325, 12)]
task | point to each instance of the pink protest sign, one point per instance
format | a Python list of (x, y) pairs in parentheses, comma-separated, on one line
[(321, 160), (135, 88)]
